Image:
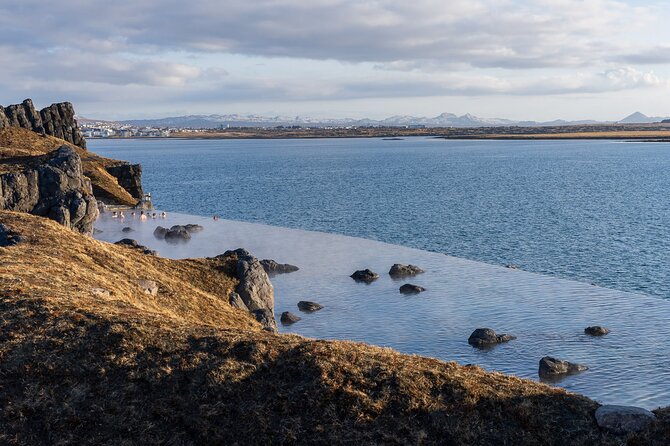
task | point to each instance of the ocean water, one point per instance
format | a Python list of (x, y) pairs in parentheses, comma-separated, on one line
[(547, 314), (591, 211)]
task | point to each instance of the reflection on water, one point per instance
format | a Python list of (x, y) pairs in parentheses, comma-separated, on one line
[(548, 315)]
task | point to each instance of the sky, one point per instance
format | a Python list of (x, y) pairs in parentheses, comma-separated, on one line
[(521, 59)]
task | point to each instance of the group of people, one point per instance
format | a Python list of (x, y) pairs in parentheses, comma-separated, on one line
[(143, 215)]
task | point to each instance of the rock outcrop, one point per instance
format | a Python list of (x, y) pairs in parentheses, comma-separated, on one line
[(56, 120), (8, 238), (255, 289), (129, 177), (623, 419), (53, 186)]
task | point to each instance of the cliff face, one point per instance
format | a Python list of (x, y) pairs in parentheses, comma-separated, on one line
[(52, 186), (18, 144), (129, 177), (55, 120)]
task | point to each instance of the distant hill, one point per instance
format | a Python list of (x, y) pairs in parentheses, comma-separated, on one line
[(235, 120), (640, 118)]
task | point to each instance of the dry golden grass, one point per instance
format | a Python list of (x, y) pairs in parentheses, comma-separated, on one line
[(184, 368), (18, 143)]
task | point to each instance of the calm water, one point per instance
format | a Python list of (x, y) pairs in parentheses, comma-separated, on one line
[(594, 211), (628, 366)]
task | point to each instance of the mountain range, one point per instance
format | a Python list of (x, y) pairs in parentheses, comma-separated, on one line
[(442, 120)]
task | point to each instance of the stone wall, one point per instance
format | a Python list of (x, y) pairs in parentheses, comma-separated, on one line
[(55, 120)]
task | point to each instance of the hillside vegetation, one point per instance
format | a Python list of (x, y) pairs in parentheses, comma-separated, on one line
[(80, 366)]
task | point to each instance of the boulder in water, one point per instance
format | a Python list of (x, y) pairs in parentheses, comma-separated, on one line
[(551, 367), (365, 275), (272, 268), (398, 270), (482, 337), (408, 288), (596, 330), (309, 307), (288, 318)]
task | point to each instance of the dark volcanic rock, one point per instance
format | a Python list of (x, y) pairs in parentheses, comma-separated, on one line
[(8, 238), (267, 319), (193, 228), (236, 301), (399, 270), (160, 232), (133, 244), (255, 290), (127, 229), (487, 336), (552, 367), (58, 120), (622, 420), (288, 318), (129, 177), (365, 275), (408, 288), (596, 330), (272, 268), (55, 187), (309, 307), (177, 234)]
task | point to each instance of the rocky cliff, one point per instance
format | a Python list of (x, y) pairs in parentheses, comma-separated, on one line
[(129, 177), (55, 120), (53, 186)]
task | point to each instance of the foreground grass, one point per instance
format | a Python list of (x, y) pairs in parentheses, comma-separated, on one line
[(184, 367)]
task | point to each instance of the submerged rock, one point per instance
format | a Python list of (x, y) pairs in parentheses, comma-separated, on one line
[(408, 288), (271, 267), (365, 275), (399, 270), (553, 367), (127, 229), (623, 419), (193, 228), (288, 318), (177, 234), (309, 307), (160, 232), (487, 336), (596, 330)]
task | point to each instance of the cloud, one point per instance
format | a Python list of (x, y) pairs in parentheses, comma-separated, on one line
[(480, 33)]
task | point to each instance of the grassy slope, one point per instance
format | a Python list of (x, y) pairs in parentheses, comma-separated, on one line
[(186, 368), (17, 143)]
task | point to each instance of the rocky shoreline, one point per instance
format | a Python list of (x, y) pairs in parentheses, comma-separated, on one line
[(135, 347)]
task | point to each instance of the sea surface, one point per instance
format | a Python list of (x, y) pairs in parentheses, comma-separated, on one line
[(591, 211)]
